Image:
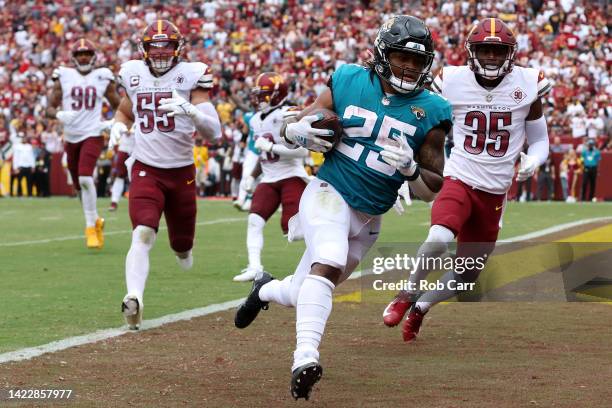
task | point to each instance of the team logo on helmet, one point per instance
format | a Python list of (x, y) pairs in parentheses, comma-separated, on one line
[(269, 92), (491, 32), (80, 48)]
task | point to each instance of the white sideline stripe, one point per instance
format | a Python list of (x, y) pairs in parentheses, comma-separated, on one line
[(29, 353), (524, 237), (106, 234)]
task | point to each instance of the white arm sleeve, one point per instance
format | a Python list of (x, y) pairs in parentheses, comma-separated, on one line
[(206, 121), (537, 139), (285, 151)]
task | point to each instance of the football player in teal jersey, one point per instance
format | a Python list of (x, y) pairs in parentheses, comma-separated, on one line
[(393, 131), (243, 202)]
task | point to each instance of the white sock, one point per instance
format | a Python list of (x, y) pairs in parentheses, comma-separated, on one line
[(255, 239), (117, 189), (242, 194), (88, 198), (435, 245), (234, 187), (313, 308), (278, 292), (423, 306), (184, 259), (287, 291), (137, 260)]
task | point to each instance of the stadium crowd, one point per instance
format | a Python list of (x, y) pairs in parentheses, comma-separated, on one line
[(305, 41)]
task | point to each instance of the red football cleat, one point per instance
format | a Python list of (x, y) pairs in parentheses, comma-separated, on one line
[(412, 324), (395, 311)]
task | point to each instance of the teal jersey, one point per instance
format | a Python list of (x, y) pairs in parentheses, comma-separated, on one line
[(369, 119), (250, 141)]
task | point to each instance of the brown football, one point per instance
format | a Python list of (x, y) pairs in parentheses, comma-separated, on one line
[(330, 121)]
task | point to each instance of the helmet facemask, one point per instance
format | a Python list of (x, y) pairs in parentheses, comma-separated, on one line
[(161, 55), (265, 101), (78, 60), (405, 68), (490, 60)]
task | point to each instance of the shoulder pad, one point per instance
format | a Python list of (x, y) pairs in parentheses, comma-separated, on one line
[(56, 74), (206, 78), (543, 84)]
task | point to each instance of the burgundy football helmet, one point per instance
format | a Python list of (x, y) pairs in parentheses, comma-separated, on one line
[(490, 32), (270, 91), (161, 46), (83, 47)]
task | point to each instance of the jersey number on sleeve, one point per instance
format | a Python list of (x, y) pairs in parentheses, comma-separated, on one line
[(83, 97), (147, 105), (500, 137), (389, 128)]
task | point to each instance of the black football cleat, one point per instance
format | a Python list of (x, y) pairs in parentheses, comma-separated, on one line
[(304, 378), (249, 309)]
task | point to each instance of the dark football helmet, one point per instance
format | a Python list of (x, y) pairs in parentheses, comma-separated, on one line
[(83, 47), (161, 46), (270, 91), (405, 34), (491, 32)]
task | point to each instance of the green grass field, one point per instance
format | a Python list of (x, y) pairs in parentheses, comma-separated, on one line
[(52, 287)]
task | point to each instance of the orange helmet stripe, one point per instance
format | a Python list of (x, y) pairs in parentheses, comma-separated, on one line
[(492, 27), (159, 27), (82, 43)]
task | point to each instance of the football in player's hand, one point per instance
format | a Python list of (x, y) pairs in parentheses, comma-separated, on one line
[(330, 121)]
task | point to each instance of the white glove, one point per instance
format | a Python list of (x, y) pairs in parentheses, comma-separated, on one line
[(527, 167), (106, 125), (117, 130), (398, 207), (177, 105), (249, 183), (66, 117), (303, 134), (400, 157), (404, 192), (263, 144)]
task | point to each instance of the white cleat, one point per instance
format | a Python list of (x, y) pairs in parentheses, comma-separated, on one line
[(247, 205), (238, 204), (185, 262), (248, 274), (131, 308)]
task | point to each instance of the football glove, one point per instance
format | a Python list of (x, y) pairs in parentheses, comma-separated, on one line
[(527, 167), (66, 117), (302, 133), (177, 105), (117, 130), (263, 144), (400, 156), (398, 207)]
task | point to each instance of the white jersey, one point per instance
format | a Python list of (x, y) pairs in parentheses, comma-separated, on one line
[(488, 125), (84, 94), (273, 166), (162, 141)]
